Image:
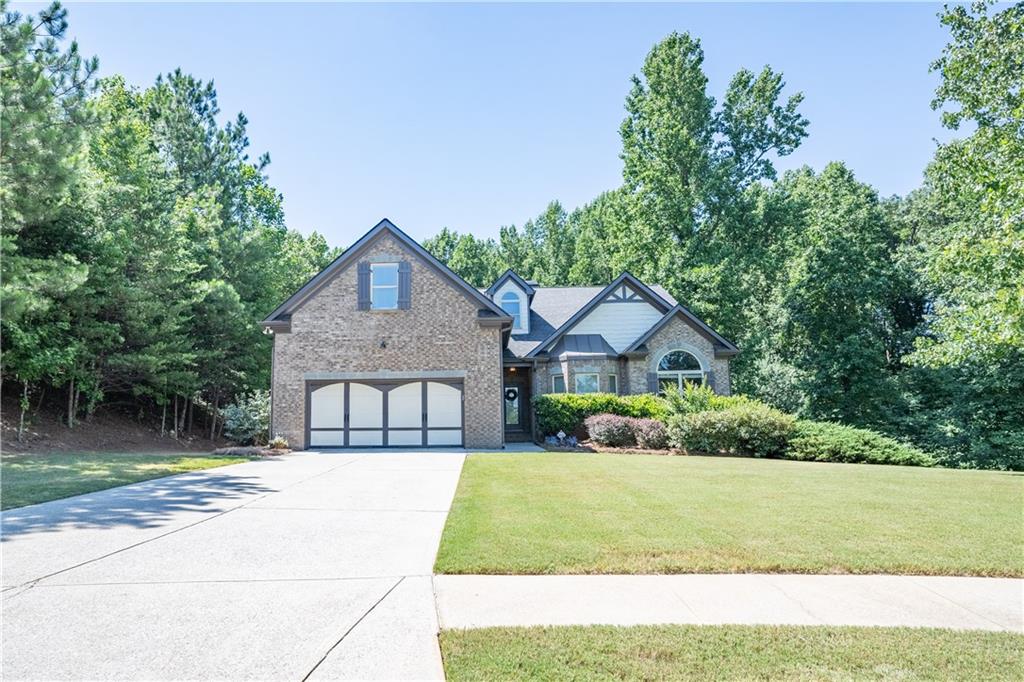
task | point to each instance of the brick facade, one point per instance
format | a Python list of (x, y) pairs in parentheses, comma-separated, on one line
[(439, 332)]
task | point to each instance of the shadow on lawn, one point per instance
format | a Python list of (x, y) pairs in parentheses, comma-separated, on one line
[(148, 504)]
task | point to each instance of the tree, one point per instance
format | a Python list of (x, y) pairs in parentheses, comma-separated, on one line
[(975, 257), (44, 115)]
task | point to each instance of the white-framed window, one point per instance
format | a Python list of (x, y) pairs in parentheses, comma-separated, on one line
[(557, 383), (383, 286), (588, 383), (510, 304), (678, 368), (613, 383)]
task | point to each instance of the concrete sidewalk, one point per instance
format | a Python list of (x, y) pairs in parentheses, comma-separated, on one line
[(475, 601)]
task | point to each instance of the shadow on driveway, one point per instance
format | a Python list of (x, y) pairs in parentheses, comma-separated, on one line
[(149, 504)]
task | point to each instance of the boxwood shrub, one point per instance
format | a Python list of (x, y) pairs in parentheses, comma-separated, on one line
[(566, 411), (831, 442), (752, 430)]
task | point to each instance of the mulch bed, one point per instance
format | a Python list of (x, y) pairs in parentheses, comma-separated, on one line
[(590, 447)]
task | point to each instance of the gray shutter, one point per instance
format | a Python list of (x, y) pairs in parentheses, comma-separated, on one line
[(652, 382), (404, 285), (363, 285)]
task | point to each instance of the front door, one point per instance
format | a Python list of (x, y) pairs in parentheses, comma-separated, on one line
[(517, 405)]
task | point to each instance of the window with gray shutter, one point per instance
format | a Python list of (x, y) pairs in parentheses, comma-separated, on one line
[(652, 382), (363, 285), (404, 285)]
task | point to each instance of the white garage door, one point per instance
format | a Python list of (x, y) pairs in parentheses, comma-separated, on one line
[(385, 414)]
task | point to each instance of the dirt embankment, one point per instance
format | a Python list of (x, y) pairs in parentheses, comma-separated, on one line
[(110, 429)]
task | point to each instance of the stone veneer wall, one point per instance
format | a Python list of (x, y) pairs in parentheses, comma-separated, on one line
[(438, 332), (679, 334)]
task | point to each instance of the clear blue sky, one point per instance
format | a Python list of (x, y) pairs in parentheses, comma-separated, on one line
[(474, 116)]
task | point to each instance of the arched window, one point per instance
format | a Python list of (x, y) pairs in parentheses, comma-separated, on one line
[(678, 368), (510, 304)]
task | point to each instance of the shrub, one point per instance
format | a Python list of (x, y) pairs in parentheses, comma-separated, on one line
[(567, 411), (611, 430), (278, 442), (247, 421), (693, 399), (747, 429), (650, 434), (830, 442)]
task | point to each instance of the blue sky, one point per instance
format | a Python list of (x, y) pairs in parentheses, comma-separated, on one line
[(474, 116)]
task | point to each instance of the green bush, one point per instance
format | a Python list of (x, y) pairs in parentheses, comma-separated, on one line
[(566, 411), (693, 399), (248, 420), (830, 442), (749, 429)]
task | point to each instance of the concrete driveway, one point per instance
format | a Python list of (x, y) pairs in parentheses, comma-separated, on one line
[(312, 566)]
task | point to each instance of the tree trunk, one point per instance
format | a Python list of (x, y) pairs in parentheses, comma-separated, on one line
[(190, 404), (213, 421), (42, 393), (174, 424), (24, 406), (71, 403), (163, 420)]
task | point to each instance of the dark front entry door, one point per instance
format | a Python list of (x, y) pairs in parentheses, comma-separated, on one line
[(517, 409)]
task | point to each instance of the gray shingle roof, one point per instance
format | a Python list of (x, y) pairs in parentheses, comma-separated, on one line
[(552, 306)]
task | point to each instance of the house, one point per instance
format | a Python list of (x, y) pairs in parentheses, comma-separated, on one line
[(388, 347)]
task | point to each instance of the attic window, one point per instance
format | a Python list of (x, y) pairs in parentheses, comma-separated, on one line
[(384, 286), (511, 304)]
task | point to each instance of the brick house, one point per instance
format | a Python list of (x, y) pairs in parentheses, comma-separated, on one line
[(388, 347)]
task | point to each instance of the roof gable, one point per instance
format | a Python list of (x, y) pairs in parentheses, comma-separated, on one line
[(511, 275), (723, 346), (385, 226), (642, 291)]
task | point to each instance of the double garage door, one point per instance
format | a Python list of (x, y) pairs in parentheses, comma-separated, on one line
[(384, 414)]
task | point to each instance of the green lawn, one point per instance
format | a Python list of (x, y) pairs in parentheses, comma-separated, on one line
[(676, 652), (605, 513), (28, 479)]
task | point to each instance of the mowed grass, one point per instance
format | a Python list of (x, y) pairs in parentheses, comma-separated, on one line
[(691, 652), (30, 479), (605, 513)]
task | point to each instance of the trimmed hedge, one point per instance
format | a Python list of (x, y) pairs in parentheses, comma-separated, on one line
[(567, 411), (831, 442), (753, 429)]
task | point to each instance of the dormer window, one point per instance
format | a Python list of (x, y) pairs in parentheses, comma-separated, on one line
[(510, 304)]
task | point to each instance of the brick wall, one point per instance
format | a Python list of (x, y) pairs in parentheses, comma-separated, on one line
[(438, 332)]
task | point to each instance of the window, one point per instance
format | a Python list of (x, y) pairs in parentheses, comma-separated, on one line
[(384, 286), (613, 383), (587, 383), (678, 368), (511, 305), (557, 383)]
